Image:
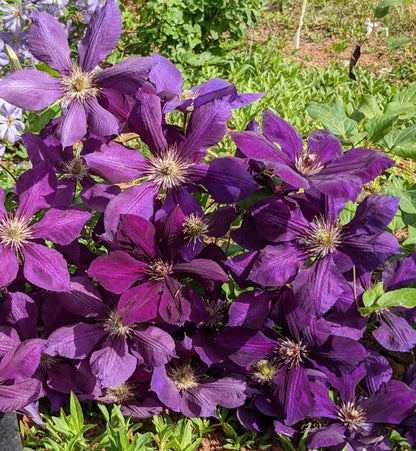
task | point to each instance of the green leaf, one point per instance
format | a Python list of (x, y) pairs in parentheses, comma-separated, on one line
[(36, 120), (402, 142), (408, 95), (383, 8), (370, 296), (76, 412), (404, 297), (401, 109), (348, 212), (378, 126), (397, 43), (411, 236), (45, 68), (369, 106), (333, 117)]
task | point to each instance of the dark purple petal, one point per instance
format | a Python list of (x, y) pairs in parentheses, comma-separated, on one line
[(146, 120), (17, 396), (165, 76), (100, 121), (392, 403), (378, 370), (36, 190), (207, 126), (327, 437), (394, 333), (319, 286), (22, 313), (116, 163), (324, 145), (250, 309), (112, 364), (226, 179), (9, 266), (96, 195), (61, 226), (245, 99), (277, 265), (102, 35), (73, 125), (45, 267), (207, 272), (127, 76), (48, 42), (116, 271), (22, 361), (373, 215), (30, 89), (154, 345), (165, 389), (74, 342), (139, 304), (281, 132)]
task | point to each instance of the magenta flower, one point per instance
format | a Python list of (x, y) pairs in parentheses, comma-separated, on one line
[(79, 83), (19, 236)]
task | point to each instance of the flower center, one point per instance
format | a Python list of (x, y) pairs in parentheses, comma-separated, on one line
[(47, 362), (79, 85), (352, 416), (14, 232), (183, 377), (264, 371), (114, 327), (120, 394), (322, 237), (10, 121), (75, 169), (216, 311), (194, 228), (291, 353), (306, 164), (158, 269), (169, 171)]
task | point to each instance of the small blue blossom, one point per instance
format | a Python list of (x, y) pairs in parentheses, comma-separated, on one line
[(10, 125)]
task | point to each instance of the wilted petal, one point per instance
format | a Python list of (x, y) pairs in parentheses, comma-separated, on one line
[(102, 35), (48, 42), (30, 89), (61, 226)]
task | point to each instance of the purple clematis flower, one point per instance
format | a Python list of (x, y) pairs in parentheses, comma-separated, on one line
[(323, 166), (313, 231), (356, 422), (79, 84), (149, 256), (42, 266)]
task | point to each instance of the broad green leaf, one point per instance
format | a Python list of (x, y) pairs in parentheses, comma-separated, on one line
[(401, 139), (348, 212), (398, 43), (36, 120), (405, 297), (371, 296), (334, 118), (369, 106), (45, 68), (401, 109), (383, 8), (378, 126), (411, 236), (408, 95)]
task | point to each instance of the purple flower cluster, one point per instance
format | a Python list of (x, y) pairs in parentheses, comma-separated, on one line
[(113, 260)]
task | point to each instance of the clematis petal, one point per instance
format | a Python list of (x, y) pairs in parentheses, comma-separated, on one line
[(61, 226), (9, 266), (45, 267), (48, 42), (154, 345), (73, 125), (19, 395), (100, 121), (165, 76), (250, 309), (394, 332), (30, 89), (139, 304), (112, 364), (22, 313), (116, 271), (324, 145), (102, 35), (96, 195), (127, 76)]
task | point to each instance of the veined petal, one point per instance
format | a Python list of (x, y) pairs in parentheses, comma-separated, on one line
[(116, 271), (281, 132), (61, 226), (165, 76), (116, 163), (45, 267), (324, 145), (9, 266), (73, 125), (112, 365), (138, 233), (30, 89), (96, 195), (19, 395), (102, 35), (48, 42), (207, 272), (139, 304), (100, 121), (226, 179), (127, 76), (154, 345)]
